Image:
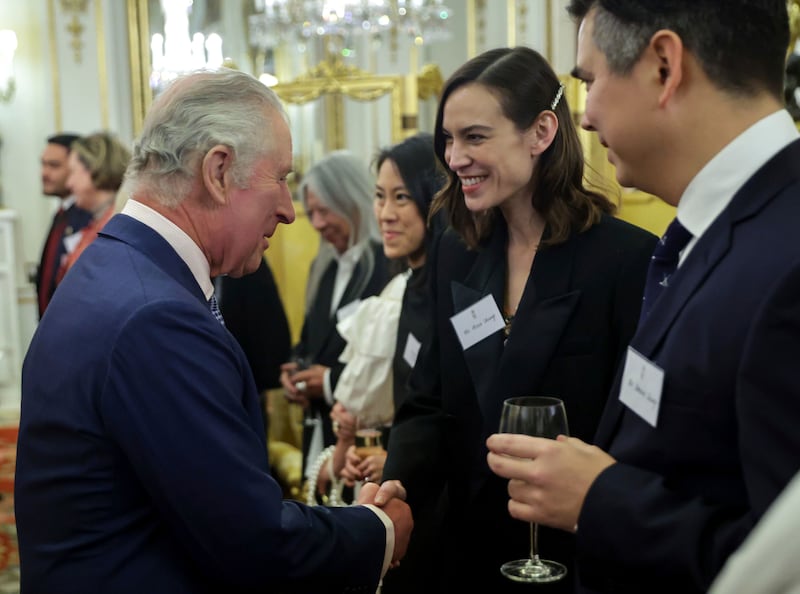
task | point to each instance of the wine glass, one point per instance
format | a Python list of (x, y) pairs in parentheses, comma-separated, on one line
[(539, 416), (368, 436)]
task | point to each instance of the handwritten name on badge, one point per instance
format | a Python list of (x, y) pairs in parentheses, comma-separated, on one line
[(642, 382), (478, 321)]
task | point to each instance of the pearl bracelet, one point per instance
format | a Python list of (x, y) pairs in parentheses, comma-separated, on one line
[(334, 497)]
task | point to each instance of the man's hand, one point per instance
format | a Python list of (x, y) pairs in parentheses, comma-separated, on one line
[(292, 391), (549, 478), (390, 490), (311, 380), (398, 511)]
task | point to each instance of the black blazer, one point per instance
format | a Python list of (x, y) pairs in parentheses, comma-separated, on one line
[(322, 344), (577, 314), (727, 335)]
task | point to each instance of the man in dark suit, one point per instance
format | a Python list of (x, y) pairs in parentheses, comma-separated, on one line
[(142, 463), (700, 433), (67, 221)]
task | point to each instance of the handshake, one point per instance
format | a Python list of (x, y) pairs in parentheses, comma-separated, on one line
[(390, 498)]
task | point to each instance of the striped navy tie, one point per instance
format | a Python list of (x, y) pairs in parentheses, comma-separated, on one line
[(215, 309), (663, 263)]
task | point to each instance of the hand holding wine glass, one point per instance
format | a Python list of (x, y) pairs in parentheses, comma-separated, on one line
[(538, 416), (369, 449), (368, 437)]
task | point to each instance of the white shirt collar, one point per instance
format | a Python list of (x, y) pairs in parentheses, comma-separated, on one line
[(713, 188), (185, 247), (344, 272), (67, 202)]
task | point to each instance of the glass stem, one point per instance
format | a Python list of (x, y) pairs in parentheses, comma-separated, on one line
[(535, 543)]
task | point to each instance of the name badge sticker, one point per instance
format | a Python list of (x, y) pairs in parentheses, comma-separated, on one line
[(411, 352), (642, 382), (72, 241), (478, 321)]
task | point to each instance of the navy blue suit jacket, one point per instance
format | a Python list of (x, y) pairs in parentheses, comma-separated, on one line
[(727, 335), (142, 461)]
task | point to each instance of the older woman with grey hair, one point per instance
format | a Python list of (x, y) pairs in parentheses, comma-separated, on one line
[(337, 194)]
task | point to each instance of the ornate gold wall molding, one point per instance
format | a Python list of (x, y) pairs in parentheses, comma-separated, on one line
[(429, 82), (75, 9), (102, 64), (55, 71), (476, 27), (333, 80), (517, 25)]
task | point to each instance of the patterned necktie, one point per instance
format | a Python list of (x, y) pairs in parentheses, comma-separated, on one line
[(663, 263), (215, 309)]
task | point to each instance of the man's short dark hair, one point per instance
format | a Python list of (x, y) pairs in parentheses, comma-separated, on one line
[(64, 139), (740, 44)]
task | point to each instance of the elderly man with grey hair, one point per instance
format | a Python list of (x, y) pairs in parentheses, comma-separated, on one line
[(142, 463)]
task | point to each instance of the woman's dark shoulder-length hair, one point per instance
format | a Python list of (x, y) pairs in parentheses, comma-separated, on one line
[(416, 164), (525, 85)]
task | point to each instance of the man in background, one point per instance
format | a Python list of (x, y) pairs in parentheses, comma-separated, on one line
[(67, 221)]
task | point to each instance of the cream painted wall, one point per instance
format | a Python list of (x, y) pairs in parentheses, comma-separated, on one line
[(55, 91)]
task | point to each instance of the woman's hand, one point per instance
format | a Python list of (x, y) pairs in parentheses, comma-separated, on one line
[(367, 469), (344, 424)]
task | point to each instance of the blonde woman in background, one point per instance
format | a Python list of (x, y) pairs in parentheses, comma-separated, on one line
[(97, 166)]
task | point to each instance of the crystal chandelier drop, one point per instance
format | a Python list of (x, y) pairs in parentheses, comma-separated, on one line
[(175, 52), (278, 21)]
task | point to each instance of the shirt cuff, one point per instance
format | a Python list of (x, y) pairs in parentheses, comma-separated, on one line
[(327, 392), (387, 558)]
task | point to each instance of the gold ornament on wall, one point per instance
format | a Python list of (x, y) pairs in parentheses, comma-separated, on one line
[(75, 9), (429, 82)]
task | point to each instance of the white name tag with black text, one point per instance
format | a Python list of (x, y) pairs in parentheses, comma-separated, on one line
[(411, 352), (642, 382), (478, 321)]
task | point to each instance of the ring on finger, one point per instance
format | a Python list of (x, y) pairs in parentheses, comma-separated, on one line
[(301, 386)]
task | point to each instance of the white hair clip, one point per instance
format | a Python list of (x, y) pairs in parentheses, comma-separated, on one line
[(557, 98)]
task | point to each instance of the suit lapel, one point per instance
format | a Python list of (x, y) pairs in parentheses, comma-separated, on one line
[(487, 277), (501, 371), (543, 314), (698, 266), (143, 239)]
